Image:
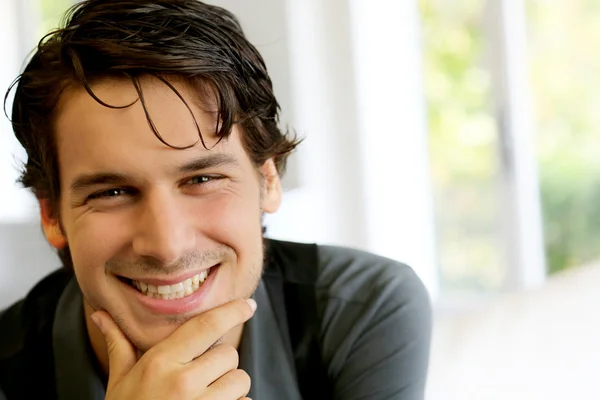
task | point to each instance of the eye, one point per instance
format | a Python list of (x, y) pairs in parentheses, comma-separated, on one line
[(110, 193), (198, 180)]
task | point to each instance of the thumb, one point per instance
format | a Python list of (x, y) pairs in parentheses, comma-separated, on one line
[(121, 353)]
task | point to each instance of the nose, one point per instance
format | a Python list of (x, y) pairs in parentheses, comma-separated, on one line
[(163, 232)]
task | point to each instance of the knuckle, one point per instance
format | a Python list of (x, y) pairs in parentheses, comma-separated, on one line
[(111, 347), (236, 380), (221, 357), (155, 366), (155, 355), (230, 354), (242, 378), (185, 382), (236, 377)]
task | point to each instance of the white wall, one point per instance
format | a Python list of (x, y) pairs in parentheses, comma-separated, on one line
[(357, 95), (393, 134), (15, 204), (24, 255)]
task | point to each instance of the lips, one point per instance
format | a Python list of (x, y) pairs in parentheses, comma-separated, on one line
[(172, 303), (171, 288), (173, 291)]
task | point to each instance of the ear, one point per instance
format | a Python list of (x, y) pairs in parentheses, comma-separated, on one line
[(51, 226), (271, 187)]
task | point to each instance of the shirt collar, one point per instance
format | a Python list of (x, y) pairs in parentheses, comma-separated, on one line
[(263, 354), (76, 377)]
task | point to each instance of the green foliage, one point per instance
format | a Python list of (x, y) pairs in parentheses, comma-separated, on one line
[(562, 37), (462, 144), (51, 12), (565, 78)]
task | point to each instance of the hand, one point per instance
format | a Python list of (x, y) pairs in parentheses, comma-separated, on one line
[(183, 366)]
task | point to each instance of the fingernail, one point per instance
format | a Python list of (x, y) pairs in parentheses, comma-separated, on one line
[(97, 321), (252, 304)]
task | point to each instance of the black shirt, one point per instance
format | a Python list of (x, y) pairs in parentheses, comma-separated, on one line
[(374, 331)]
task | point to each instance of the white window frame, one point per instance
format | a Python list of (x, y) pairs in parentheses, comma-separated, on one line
[(16, 204), (523, 228)]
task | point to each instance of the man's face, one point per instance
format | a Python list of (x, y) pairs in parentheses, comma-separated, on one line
[(141, 217)]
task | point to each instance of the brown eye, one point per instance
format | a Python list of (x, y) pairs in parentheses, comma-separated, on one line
[(198, 180), (110, 193)]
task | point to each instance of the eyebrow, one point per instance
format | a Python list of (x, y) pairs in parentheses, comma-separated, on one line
[(211, 161), (85, 181)]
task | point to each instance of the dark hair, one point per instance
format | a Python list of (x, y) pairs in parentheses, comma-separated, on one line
[(99, 39)]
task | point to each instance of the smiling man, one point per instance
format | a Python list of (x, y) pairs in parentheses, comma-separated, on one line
[(154, 151)]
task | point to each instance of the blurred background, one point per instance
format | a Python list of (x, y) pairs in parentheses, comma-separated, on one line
[(458, 136)]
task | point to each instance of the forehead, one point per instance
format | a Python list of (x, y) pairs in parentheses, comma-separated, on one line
[(79, 112), (92, 137)]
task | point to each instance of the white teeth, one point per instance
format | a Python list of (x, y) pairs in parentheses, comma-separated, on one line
[(175, 291), (203, 276), (164, 289), (178, 287)]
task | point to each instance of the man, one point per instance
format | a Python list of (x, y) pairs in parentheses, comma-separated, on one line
[(153, 149)]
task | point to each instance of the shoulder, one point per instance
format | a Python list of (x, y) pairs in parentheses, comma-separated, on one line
[(359, 277), (375, 314), (345, 274), (12, 332), (31, 312), (26, 339)]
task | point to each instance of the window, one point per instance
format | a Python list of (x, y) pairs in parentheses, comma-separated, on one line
[(50, 14), (564, 36), (467, 47), (463, 144), (24, 22)]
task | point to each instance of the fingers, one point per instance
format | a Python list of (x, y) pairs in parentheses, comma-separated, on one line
[(183, 364), (233, 385), (213, 364), (198, 334), (121, 353)]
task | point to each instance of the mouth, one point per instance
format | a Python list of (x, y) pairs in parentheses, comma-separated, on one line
[(173, 291)]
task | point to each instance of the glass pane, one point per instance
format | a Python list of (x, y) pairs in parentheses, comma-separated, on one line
[(463, 145), (564, 38)]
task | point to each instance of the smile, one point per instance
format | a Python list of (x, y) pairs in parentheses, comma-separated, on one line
[(175, 291)]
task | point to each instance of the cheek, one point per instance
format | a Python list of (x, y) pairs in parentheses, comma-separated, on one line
[(94, 239), (234, 220), (232, 216)]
